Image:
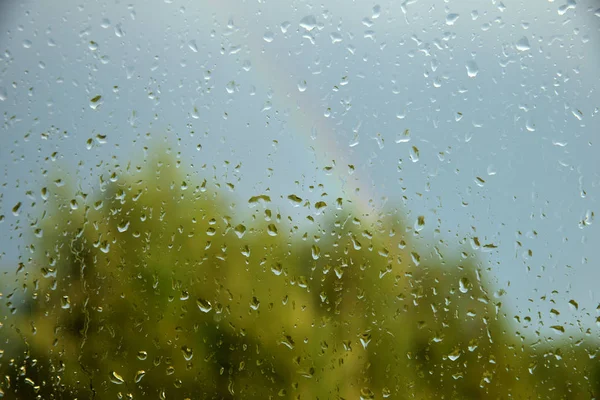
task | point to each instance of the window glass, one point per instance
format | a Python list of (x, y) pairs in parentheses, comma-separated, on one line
[(297, 199)]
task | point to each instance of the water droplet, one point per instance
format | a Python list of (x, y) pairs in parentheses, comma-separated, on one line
[(65, 302), (464, 285), (204, 305), (139, 375), (451, 19), (376, 11), (315, 251), (295, 200), (301, 85), (277, 269), (116, 378), (123, 226), (309, 22), (254, 303), (419, 223), (288, 341), (193, 46), (455, 354), (16, 209), (119, 30), (285, 25), (319, 205), (366, 394), (416, 258), (403, 137), (188, 353), (142, 355), (335, 37), (365, 339), (385, 392), (523, 44), (530, 125), (268, 36), (272, 230), (574, 304), (472, 69), (95, 102), (414, 154), (195, 113), (240, 230), (3, 93), (27, 44), (558, 329)]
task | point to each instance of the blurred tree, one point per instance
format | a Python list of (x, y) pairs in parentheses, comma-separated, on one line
[(152, 287)]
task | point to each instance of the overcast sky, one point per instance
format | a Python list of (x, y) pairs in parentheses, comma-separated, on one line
[(499, 98)]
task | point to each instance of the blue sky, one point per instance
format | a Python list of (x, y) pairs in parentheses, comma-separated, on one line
[(500, 99)]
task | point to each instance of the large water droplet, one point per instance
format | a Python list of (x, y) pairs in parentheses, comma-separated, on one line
[(451, 19), (139, 375), (309, 22), (116, 378), (414, 154), (204, 305), (268, 36), (523, 44)]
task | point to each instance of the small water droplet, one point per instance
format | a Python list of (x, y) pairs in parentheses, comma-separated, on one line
[(123, 226), (419, 223), (254, 303), (301, 85), (65, 302), (455, 354), (285, 25), (277, 269), (335, 37), (142, 355), (366, 394), (240, 230), (464, 285), (472, 69), (288, 341), (193, 46), (316, 252), (95, 102), (365, 339), (16, 209), (188, 353), (403, 137)]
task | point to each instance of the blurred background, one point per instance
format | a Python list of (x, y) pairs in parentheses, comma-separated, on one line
[(302, 200)]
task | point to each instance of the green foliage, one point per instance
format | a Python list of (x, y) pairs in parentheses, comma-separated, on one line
[(155, 289)]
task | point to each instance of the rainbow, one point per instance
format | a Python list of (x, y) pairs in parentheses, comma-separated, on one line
[(303, 120)]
